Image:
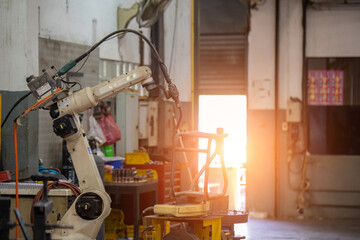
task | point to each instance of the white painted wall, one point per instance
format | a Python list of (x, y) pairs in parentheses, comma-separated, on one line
[(180, 70), (18, 43), (32, 33), (333, 33), (83, 22), (262, 57), (330, 33), (86, 22), (290, 51)]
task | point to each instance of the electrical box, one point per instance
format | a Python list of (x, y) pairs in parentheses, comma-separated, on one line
[(152, 123), (166, 123), (148, 122), (127, 118), (143, 114), (293, 111)]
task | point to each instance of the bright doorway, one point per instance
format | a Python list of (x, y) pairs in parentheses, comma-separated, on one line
[(229, 113)]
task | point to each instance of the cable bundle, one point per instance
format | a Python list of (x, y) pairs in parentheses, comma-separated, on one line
[(53, 185)]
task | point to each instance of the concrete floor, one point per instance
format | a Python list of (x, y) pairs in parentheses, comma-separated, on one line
[(300, 229)]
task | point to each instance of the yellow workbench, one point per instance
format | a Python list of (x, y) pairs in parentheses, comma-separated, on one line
[(201, 225)]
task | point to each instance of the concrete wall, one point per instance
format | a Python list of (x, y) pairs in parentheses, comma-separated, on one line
[(86, 22), (330, 33), (333, 32), (18, 43), (261, 115), (57, 53), (290, 51), (177, 20), (68, 28), (290, 85), (19, 59), (81, 22), (262, 57)]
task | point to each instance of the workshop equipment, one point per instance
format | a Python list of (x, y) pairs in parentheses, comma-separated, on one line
[(192, 196), (137, 158), (164, 184), (41, 209), (203, 211), (135, 189), (93, 205), (115, 227), (61, 198), (4, 217), (53, 93), (200, 225)]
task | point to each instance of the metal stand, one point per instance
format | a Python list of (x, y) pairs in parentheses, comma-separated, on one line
[(219, 150), (218, 213)]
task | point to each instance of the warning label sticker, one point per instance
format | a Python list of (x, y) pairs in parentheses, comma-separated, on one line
[(43, 89)]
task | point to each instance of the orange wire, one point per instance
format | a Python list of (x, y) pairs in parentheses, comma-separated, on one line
[(16, 177), (16, 159), (28, 110)]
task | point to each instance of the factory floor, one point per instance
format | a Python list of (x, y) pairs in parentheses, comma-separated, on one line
[(300, 229)]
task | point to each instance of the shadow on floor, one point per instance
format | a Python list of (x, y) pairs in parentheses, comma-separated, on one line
[(300, 229)]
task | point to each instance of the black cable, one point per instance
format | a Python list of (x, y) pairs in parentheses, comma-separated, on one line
[(172, 89), (117, 35), (179, 120), (73, 83), (150, 228), (83, 63), (13, 107), (172, 92), (163, 89), (152, 47)]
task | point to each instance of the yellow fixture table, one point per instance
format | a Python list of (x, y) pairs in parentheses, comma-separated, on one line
[(201, 225)]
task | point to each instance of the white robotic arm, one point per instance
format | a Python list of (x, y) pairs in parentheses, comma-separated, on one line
[(89, 97), (90, 209)]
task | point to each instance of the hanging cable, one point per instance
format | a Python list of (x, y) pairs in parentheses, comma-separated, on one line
[(64, 185), (172, 89), (16, 155), (13, 107)]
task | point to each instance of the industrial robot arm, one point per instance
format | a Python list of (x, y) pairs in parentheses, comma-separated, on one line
[(90, 209)]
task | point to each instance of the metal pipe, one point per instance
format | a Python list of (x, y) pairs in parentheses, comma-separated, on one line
[(180, 149), (304, 74), (276, 94)]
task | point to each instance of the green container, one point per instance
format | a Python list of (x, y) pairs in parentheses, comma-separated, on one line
[(108, 150)]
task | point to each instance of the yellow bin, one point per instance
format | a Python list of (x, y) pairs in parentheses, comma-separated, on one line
[(137, 158)]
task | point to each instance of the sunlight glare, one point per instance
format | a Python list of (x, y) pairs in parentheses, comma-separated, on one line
[(229, 113)]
